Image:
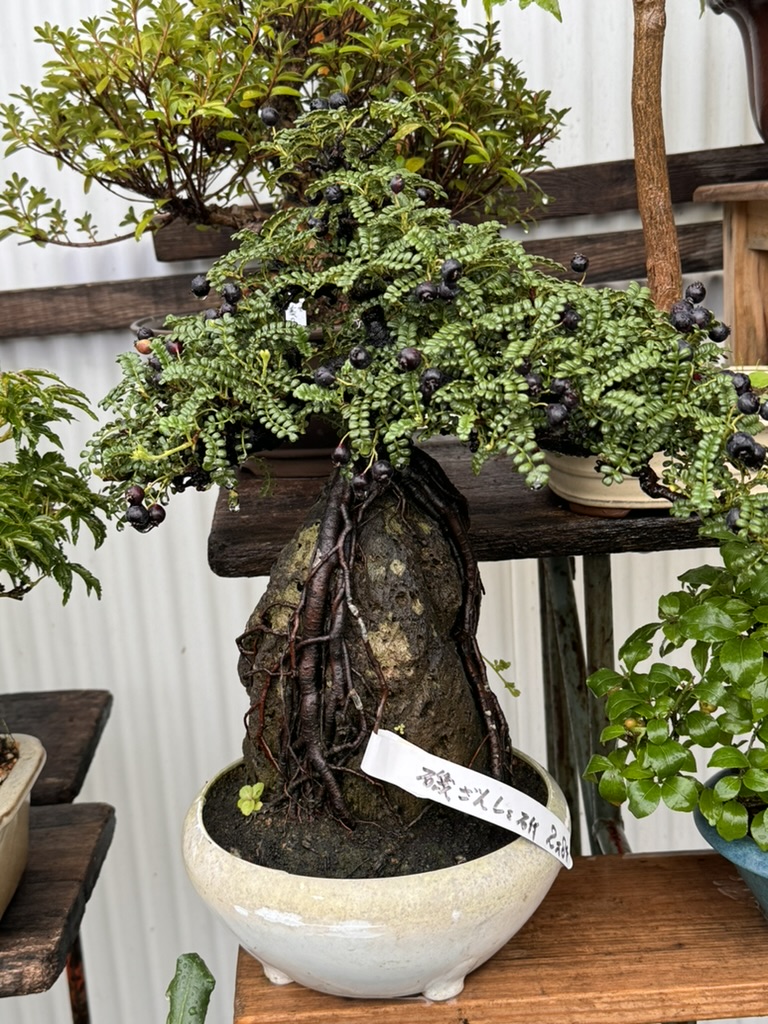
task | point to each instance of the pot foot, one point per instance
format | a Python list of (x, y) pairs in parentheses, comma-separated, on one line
[(274, 975), (444, 988)]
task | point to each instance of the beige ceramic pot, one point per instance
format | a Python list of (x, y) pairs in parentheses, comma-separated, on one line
[(575, 479), (14, 815), (378, 937)]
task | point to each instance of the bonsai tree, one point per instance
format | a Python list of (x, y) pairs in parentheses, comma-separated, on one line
[(370, 307), (168, 103)]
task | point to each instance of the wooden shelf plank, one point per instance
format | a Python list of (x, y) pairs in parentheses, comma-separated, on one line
[(507, 520), (69, 724), (68, 844), (619, 940)]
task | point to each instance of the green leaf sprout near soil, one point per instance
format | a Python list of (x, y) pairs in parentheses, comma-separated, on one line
[(44, 502), (165, 103), (249, 799)]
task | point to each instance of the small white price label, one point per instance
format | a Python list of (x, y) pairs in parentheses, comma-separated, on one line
[(295, 313), (390, 758)]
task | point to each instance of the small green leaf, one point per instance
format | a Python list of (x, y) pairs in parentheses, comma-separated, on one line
[(759, 830), (742, 659), (680, 793), (733, 822), (643, 796), (728, 757), (189, 992), (728, 788)]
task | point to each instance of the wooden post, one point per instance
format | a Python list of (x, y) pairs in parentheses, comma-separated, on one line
[(745, 266)]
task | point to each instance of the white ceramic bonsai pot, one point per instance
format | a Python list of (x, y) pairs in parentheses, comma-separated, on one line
[(575, 479), (380, 937), (14, 815)]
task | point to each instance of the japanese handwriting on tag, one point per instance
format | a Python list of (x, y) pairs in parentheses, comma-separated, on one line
[(392, 759)]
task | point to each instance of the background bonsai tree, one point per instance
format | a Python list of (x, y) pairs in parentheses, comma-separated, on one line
[(44, 502), (371, 307), (169, 101)]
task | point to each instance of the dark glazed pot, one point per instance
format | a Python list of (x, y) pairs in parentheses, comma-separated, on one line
[(752, 18)]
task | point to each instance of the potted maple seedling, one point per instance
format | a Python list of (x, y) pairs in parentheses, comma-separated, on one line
[(44, 504), (370, 306)]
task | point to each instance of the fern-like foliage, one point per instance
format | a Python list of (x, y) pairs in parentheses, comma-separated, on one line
[(462, 332)]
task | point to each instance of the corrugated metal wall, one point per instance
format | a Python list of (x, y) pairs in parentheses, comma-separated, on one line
[(162, 638)]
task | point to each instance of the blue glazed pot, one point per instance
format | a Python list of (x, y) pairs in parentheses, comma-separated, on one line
[(746, 856)]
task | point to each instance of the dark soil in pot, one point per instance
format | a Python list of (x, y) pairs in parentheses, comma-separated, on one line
[(439, 838)]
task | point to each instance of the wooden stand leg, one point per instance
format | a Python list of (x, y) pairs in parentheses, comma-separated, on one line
[(78, 995), (585, 716)]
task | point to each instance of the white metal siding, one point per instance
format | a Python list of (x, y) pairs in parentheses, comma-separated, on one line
[(162, 638)]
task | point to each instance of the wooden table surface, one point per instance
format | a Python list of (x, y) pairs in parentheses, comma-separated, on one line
[(69, 724), (68, 844), (618, 940), (507, 520)]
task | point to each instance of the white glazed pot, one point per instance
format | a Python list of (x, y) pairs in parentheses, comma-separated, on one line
[(378, 937), (576, 479), (14, 815)]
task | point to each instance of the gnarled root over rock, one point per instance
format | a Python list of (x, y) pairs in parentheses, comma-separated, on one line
[(369, 621)]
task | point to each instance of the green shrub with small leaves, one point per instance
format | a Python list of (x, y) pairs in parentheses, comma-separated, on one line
[(659, 713), (170, 100), (44, 502)]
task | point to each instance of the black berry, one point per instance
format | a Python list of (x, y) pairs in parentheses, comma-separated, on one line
[(450, 271), (156, 514), (382, 471), (409, 359), (741, 383), (231, 293), (681, 317), (748, 403), (337, 100), (200, 286), (269, 116), (430, 381), (695, 292), (318, 103), (743, 449), (719, 333), (556, 414), (397, 184), (334, 195), (138, 517), (579, 263), (426, 291), (134, 495), (570, 319), (341, 455), (325, 377), (144, 333), (423, 194), (360, 357)]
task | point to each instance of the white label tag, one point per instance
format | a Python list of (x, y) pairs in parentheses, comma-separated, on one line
[(295, 313), (392, 759)]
